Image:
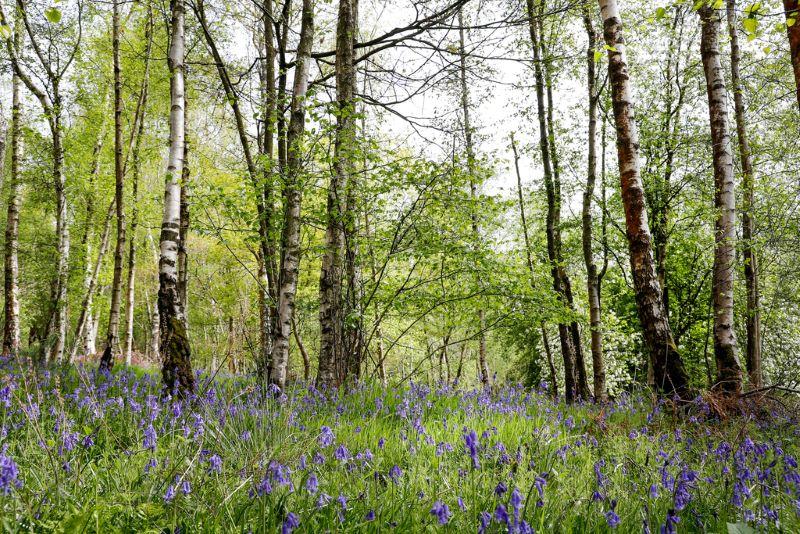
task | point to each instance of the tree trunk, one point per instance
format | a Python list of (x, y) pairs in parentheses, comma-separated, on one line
[(483, 367), (792, 10), (592, 285), (753, 356), (582, 383), (332, 355), (293, 194), (11, 336), (748, 223), (174, 345), (112, 336), (729, 377), (59, 332), (303, 352), (529, 258), (553, 216), (669, 372)]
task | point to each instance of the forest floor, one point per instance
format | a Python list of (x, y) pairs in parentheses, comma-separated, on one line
[(106, 454)]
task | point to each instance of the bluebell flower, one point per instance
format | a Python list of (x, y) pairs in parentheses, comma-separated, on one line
[(290, 523), (442, 512)]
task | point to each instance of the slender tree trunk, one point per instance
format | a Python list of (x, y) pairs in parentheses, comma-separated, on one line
[(669, 372), (11, 335), (112, 336), (553, 235), (529, 258), (293, 194), (333, 364), (303, 351), (592, 285), (582, 383), (792, 10), (268, 287), (483, 366), (729, 377), (174, 345), (753, 357), (59, 332)]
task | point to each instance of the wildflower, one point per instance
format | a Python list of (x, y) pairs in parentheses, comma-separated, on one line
[(381, 443), (370, 516), (485, 519), (326, 436), (442, 512), (471, 445), (611, 516), (149, 438), (214, 464), (395, 473), (341, 453), (170, 494), (461, 504), (290, 523), (500, 489), (501, 514), (186, 489), (9, 473), (312, 484)]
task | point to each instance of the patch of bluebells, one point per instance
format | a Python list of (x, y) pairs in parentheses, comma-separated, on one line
[(409, 459)]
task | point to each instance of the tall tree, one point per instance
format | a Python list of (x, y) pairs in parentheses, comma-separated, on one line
[(174, 346), (529, 261), (293, 195), (333, 364), (483, 366), (753, 319), (729, 375), (553, 207), (792, 10), (112, 335), (261, 179), (54, 65), (11, 337), (592, 282), (668, 369)]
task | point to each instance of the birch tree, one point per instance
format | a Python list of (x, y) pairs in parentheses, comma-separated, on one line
[(729, 377), (174, 347), (668, 370)]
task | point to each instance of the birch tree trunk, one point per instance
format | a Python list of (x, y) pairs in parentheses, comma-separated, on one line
[(567, 347), (174, 344), (11, 335), (293, 194), (112, 336), (483, 366), (753, 319), (668, 369), (592, 285), (183, 233), (729, 377), (792, 11)]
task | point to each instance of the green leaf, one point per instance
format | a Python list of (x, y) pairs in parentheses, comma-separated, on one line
[(790, 22), (750, 25), (608, 47), (5, 31), (660, 12), (53, 15), (598, 54)]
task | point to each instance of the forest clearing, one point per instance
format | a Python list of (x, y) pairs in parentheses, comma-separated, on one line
[(417, 265)]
